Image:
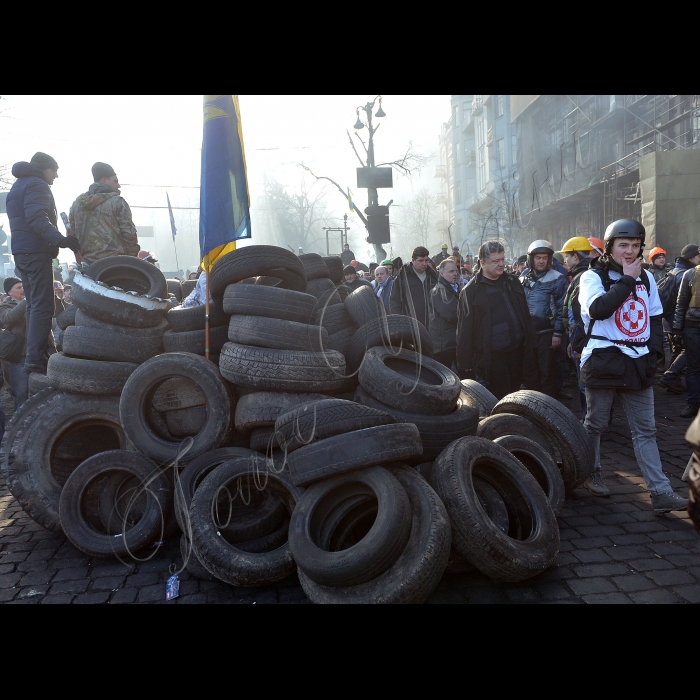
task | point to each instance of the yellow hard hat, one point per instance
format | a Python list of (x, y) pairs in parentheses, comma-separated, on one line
[(576, 244)]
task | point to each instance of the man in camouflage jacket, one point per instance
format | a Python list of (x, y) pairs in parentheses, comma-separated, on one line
[(101, 219)]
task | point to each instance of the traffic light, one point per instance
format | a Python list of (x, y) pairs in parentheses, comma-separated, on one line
[(378, 224)]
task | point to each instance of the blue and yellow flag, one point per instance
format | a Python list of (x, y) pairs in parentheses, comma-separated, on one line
[(224, 209)]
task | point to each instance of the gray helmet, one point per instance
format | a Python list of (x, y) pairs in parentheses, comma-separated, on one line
[(623, 228), (539, 246)]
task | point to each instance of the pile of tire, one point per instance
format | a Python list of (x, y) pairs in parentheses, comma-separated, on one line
[(120, 320)]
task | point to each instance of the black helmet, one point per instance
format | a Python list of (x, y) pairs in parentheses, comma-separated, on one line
[(623, 228)]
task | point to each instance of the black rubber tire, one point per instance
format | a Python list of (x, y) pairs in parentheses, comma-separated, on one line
[(175, 288), (267, 543), (436, 432), (314, 267), (409, 382), (560, 426), (532, 542), (276, 333), (121, 308), (176, 395), (195, 341), (334, 265), (263, 440), (282, 370), (261, 409), (343, 292), (98, 344), (130, 274), (340, 341), (193, 318), (375, 553), (355, 450), (501, 424), (188, 287), (91, 377), (67, 318), (421, 565), (223, 559), (44, 422), (364, 306), (323, 419), (256, 260), (148, 529), (483, 399), (320, 288), (37, 382), (271, 302), (393, 332), (193, 474), (186, 422), (153, 334), (192, 565), (138, 393), (536, 458), (334, 318)]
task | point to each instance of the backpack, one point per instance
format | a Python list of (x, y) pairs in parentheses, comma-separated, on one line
[(668, 295)]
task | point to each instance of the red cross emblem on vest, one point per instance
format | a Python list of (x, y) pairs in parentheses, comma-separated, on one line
[(632, 318)]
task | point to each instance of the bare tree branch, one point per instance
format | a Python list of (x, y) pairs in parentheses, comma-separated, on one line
[(362, 163), (357, 136), (409, 162)]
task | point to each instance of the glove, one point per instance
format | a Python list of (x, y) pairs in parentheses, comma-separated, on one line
[(70, 242)]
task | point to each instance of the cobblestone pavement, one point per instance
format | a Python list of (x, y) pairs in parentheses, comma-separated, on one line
[(613, 550)]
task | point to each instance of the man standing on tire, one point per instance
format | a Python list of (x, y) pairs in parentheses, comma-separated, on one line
[(621, 311), (347, 256), (101, 219), (35, 243), (494, 328), (444, 298), (410, 295), (545, 290)]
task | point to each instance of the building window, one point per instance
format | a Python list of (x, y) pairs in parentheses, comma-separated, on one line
[(482, 168), (499, 105), (455, 119), (458, 192), (501, 152), (480, 137)]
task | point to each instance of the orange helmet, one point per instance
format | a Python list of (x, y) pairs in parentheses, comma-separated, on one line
[(656, 251), (597, 244)]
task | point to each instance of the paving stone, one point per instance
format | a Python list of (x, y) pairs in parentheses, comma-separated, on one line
[(655, 596), (650, 564), (591, 556), (645, 527), (609, 598), (670, 577), (32, 591), (10, 580), (115, 569), (484, 596), (126, 595), (290, 594), (633, 582), (13, 557), (614, 518), (107, 583), (586, 586), (625, 553), (154, 565), (591, 542), (523, 594), (7, 568), (581, 520), (600, 530), (63, 599), (690, 593), (71, 574), (74, 586), (27, 566), (37, 578), (664, 548), (611, 569), (139, 580), (92, 598), (149, 594), (551, 591), (8, 594), (673, 536), (196, 599)]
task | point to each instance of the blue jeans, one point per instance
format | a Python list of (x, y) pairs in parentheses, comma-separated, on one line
[(691, 340), (18, 382)]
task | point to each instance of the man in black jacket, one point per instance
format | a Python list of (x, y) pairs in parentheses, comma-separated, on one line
[(410, 295), (495, 335), (444, 298), (686, 330), (621, 311), (35, 242)]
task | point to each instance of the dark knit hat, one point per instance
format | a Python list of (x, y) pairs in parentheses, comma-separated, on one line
[(690, 251), (10, 282), (43, 161), (349, 270), (100, 170), (521, 259)]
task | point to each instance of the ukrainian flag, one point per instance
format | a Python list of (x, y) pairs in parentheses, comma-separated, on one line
[(224, 209)]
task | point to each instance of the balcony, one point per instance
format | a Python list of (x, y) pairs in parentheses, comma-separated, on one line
[(469, 157), (489, 136), (477, 106), (440, 171), (441, 226), (441, 198)]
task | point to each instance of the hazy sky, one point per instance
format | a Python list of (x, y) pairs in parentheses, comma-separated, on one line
[(153, 141)]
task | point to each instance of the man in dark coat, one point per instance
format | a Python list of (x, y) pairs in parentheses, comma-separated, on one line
[(495, 335), (347, 256), (382, 284), (35, 242), (352, 281), (444, 299), (410, 295)]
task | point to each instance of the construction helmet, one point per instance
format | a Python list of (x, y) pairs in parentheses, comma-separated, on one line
[(539, 246), (656, 251), (623, 228), (577, 244), (444, 246)]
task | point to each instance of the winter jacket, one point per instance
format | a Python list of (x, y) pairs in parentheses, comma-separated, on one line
[(444, 301), (102, 222), (347, 256), (32, 213), (385, 295), (13, 318), (571, 313), (545, 294), (352, 286), (410, 296), (681, 266), (685, 317), (474, 323), (442, 255), (659, 272)]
